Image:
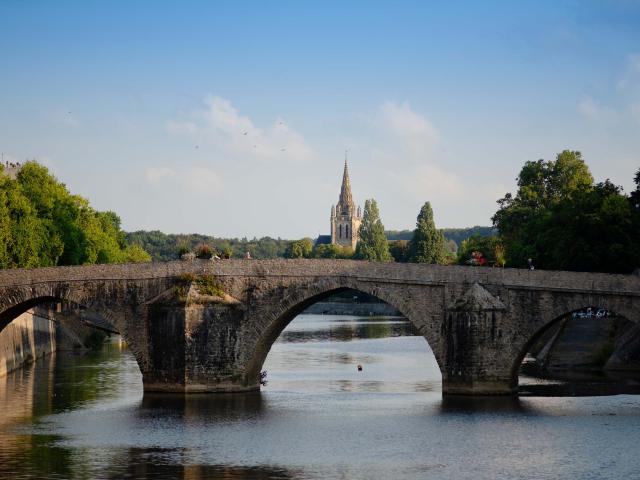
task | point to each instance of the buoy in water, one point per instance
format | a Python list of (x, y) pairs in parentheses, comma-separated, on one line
[(359, 367)]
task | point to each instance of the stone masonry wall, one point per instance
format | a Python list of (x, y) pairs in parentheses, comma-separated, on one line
[(27, 338)]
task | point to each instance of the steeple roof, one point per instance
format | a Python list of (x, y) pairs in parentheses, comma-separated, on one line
[(346, 200)]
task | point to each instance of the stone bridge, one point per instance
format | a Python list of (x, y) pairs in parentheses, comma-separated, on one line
[(202, 326)]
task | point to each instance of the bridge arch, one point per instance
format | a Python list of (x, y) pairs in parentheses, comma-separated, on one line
[(21, 300), (577, 303), (276, 319)]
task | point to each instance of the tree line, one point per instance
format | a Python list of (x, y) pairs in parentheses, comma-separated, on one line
[(165, 247), (42, 224)]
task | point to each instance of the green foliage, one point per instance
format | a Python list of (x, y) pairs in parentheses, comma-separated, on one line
[(42, 224), (562, 221), (208, 285), (204, 251), (479, 251), (186, 278), (332, 251), (164, 247), (372, 243), (136, 254), (427, 244), (457, 235), (500, 254), (399, 250), (183, 248), (634, 198), (299, 249)]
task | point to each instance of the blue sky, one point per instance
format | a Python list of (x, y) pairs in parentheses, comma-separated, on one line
[(232, 118)]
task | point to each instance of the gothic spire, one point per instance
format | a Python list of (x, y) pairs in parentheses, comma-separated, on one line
[(346, 200)]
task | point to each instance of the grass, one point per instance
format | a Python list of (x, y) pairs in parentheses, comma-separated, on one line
[(206, 285)]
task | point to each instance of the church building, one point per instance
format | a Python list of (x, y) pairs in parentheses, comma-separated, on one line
[(345, 217)]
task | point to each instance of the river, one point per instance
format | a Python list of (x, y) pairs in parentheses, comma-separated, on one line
[(85, 417)]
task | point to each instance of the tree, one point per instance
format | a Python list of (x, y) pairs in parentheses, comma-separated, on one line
[(561, 220), (478, 251), (635, 195), (594, 230), (399, 250), (299, 249), (136, 254), (205, 251), (332, 251), (427, 244), (183, 248), (43, 224), (372, 243), (541, 185)]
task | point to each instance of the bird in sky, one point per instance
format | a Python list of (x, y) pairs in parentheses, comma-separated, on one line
[(244, 133)]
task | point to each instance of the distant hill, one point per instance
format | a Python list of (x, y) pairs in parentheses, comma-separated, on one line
[(455, 234)]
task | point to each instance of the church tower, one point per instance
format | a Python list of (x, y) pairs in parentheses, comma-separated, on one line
[(345, 219)]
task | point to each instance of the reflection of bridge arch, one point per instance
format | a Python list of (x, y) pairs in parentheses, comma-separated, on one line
[(276, 319)]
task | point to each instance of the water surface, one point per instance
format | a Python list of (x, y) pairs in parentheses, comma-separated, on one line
[(85, 417)]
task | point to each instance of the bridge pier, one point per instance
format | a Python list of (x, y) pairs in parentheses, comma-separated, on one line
[(194, 346), (475, 333), (477, 386)]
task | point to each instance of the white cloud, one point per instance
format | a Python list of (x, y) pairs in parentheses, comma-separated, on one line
[(157, 174), (203, 181), (434, 181), (415, 130), (630, 79), (219, 125), (407, 157), (198, 180), (593, 111)]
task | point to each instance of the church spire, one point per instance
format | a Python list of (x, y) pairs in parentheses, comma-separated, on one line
[(346, 200)]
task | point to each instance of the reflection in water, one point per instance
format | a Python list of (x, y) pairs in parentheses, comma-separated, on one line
[(488, 405), (203, 408), (575, 383), (319, 354), (315, 328), (85, 417)]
